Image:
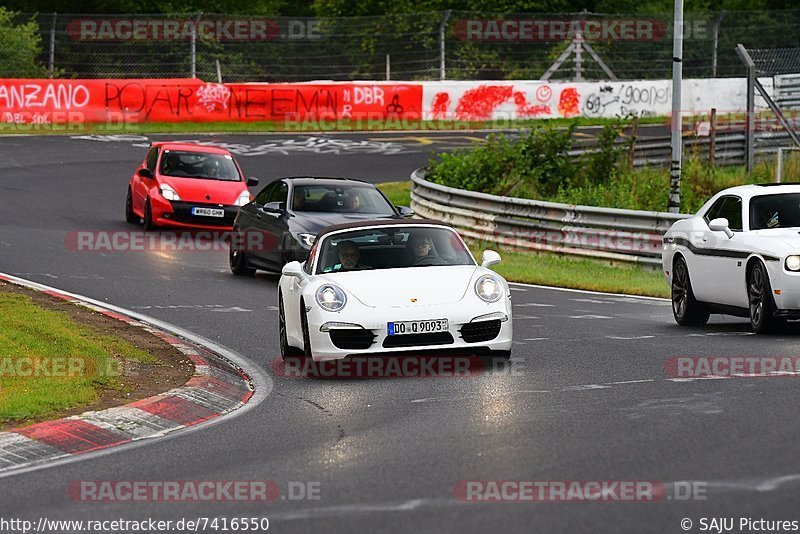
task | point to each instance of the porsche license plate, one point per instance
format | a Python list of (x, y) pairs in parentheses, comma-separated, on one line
[(417, 327), (208, 212)]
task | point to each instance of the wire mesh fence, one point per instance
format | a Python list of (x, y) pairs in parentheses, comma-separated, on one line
[(423, 46)]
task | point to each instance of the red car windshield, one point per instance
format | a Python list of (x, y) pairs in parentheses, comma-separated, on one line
[(199, 165)]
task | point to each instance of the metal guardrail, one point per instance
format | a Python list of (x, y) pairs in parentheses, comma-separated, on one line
[(729, 148), (606, 233), (787, 91)]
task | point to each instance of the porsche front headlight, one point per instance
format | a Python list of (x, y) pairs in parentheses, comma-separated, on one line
[(489, 288), (792, 263), (331, 298)]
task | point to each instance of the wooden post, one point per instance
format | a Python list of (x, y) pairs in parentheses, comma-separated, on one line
[(712, 137)]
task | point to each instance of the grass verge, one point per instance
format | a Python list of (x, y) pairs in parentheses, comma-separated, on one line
[(54, 362), (576, 273), (398, 193)]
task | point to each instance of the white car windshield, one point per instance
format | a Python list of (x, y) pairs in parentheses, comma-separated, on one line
[(775, 211), (199, 165), (392, 248)]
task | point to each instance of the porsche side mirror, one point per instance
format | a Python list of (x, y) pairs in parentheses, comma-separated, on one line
[(405, 211), (144, 172), (293, 268), (721, 225), (252, 181), (490, 257)]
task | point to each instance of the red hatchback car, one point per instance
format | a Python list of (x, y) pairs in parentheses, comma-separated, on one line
[(189, 186)]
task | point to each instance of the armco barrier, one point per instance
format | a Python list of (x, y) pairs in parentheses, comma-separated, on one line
[(607, 233)]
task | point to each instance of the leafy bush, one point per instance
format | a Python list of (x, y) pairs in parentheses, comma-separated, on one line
[(537, 166), (20, 46)]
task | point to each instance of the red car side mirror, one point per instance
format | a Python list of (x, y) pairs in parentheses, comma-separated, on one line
[(144, 172)]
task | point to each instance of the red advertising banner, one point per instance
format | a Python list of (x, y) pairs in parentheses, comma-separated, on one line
[(36, 101)]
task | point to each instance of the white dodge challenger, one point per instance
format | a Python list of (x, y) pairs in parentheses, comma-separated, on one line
[(393, 287), (739, 255)]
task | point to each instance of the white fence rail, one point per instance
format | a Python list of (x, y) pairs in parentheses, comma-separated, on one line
[(607, 233)]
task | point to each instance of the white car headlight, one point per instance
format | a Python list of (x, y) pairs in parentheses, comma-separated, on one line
[(489, 288), (307, 240), (243, 199), (792, 263), (331, 297), (168, 193)]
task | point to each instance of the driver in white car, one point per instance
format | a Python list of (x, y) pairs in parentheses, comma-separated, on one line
[(349, 255), (421, 247)]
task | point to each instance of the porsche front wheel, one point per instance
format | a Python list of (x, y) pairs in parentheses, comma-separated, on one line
[(287, 350), (306, 336)]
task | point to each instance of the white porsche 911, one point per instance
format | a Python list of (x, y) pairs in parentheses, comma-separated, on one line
[(393, 286), (739, 255)]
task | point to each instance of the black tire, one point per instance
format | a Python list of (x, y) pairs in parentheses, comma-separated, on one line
[(130, 216), (306, 337), (287, 351), (685, 308), (760, 300), (502, 355), (148, 217), (237, 259)]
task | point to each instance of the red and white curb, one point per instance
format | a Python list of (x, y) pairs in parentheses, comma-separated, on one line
[(223, 382)]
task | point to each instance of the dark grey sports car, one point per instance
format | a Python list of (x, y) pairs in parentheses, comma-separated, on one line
[(280, 225)]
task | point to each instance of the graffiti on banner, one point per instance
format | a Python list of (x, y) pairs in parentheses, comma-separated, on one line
[(173, 100)]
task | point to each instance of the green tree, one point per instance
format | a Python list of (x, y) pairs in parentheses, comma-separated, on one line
[(20, 47)]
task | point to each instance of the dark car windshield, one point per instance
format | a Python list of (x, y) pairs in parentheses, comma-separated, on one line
[(775, 211), (340, 199), (199, 165), (391, 248)]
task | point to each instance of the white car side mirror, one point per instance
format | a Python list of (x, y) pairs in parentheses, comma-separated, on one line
[(293, 268), (490, 257), (721, 225)]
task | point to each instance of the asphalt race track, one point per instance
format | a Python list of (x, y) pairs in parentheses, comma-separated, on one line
[(587, 396)]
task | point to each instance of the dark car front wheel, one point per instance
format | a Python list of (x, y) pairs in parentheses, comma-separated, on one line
[(237, 259)]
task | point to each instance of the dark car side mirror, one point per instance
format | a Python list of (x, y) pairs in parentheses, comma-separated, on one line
[(405, 211), (277, 207), (144, 172), (252, 181)]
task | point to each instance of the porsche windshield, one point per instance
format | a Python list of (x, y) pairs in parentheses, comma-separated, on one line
[(391, 248), (775, 211), (199, 165), (340, 199)]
